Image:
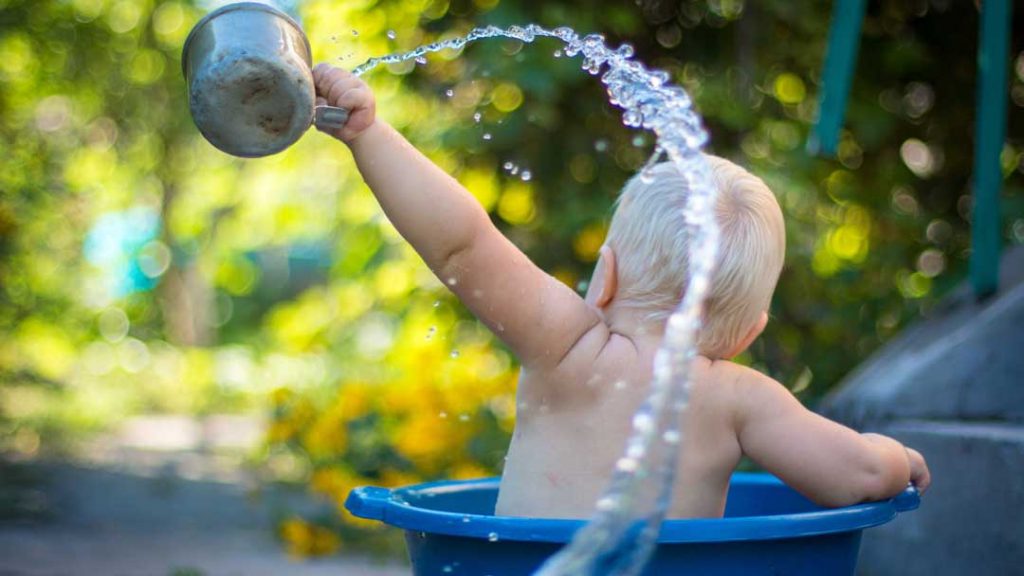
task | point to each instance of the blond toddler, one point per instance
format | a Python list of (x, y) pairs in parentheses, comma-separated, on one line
[(587, 362)]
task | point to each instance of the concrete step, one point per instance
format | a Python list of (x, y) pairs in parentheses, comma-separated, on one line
[(971, 521)]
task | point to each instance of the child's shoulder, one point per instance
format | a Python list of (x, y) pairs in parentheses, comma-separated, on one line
[(726, 383), (744, 393)]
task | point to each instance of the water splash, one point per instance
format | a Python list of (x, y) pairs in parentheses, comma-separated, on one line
[(621, 536)]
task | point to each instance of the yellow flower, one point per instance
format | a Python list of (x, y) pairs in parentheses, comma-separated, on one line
[(280, 431), (469, 471), (356, 521), (335, 483), (328, 436), (355, 399), (304, 539), (280, 396), (430, 439), (302, 413)]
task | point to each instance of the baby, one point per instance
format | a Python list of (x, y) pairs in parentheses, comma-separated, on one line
[(587, 362)]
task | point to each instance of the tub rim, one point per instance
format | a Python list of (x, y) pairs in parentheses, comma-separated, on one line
[(389, 506)]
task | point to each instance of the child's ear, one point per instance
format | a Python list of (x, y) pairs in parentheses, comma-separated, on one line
[(755, 331), (607, 274)]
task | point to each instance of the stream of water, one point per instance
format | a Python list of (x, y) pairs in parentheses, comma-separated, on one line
[(623, 532)]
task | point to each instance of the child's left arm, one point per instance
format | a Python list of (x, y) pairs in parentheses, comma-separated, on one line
[(536, 315), (825, 461)]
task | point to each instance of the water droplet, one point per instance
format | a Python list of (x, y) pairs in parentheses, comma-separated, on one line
[(527, 176), (334, 38), (477, 116), (487, 136), (639, 140), (508, 166), (437, 303), (601, 145), (642, 422), (492, 537), (564, 33), (449, 92), (626, 465), (421, 59), (557, 54), (453, 281), (391, 34), (443, 415), (632, 118), (463, 417), (454, 354)]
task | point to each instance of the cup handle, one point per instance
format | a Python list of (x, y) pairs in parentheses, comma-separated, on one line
[(329, 118)]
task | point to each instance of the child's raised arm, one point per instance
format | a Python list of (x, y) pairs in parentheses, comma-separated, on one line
[(536, 315), (829, 463)]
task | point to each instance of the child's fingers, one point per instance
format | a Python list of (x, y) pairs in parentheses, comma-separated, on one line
[(353, 98), (331, 82), (925, 479), (337, 87), (920, 475), (323, 77), (325, 71), (343, 86)]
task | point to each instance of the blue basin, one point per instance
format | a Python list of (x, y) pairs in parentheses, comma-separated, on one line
[(768, 528)]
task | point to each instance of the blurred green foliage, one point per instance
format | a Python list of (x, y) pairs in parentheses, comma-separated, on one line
[(142, 270)]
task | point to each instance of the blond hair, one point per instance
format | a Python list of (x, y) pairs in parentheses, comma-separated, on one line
[(649, 235)]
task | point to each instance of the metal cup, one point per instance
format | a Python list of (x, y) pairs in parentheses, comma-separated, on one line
[(250, 83)]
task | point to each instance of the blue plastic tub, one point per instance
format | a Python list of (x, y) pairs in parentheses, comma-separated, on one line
[(768, 528)]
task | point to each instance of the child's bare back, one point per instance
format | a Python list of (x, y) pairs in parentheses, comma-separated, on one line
[(587, 362), (566, 444), (565, 447)]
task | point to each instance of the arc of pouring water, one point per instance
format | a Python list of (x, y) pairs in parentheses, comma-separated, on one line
[(622, 535)]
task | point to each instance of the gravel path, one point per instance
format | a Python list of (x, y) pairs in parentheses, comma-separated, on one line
[(130, 512)]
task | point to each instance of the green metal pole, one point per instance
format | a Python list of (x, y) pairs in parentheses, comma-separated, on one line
[(840, 63), (990, 132)]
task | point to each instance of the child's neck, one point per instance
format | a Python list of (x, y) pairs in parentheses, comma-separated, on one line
[(632, 322)]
